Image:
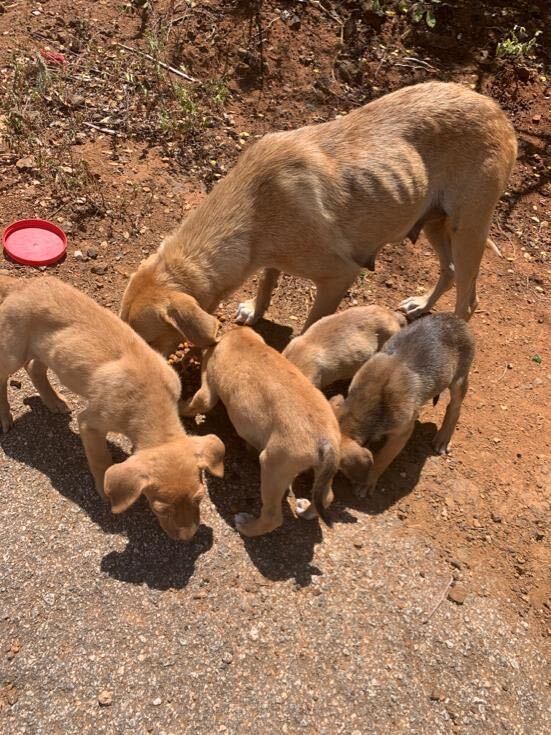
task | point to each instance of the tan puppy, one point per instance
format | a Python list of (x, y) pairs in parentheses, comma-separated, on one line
[(278, 412), (45, 323), (337, 346), (387, 393), (320, 202)]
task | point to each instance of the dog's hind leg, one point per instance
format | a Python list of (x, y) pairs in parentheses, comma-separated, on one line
[(437, 234), (329, 294), (458, 390), (38, 374), (277, 471), (249, 312)]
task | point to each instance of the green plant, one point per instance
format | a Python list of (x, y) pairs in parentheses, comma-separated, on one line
[(424, 9), (517, 43), (217, 90)]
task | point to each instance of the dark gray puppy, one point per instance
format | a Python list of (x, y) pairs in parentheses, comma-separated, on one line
[(387, 393)]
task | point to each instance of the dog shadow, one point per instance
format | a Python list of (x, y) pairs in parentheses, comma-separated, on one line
[(276, 335), (47, 443), (283, 554)]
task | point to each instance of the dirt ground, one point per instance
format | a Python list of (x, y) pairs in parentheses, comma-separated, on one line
[(424, 610)]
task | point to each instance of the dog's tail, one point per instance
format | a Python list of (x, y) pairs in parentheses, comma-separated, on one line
[(490, 244), (326, 469)]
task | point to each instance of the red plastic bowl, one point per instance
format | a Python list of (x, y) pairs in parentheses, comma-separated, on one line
[(34, 242)]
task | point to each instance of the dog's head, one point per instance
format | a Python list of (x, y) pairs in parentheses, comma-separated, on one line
[(170, 477), (355, 462), (164, 316)]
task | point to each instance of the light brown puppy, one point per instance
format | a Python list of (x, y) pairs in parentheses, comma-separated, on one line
[(130, 390), (319, 202), (387, 393), (335, 347), (278, 412)]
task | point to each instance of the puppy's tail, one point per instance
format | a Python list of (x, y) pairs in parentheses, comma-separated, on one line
[(490, 244), (326, 469)]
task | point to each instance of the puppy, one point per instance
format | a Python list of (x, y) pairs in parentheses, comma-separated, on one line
[(321, 201), (278, 412), (337, 346), (387, 393), (130, 390)]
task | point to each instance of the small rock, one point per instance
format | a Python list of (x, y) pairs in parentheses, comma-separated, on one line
[(254, 634), (99, 270), (78, 255), (294, 22), (457, 594), (157, 701), (455, 563), (105, 698), (496, 518), (26, 164), (92, 253), (437, 695), (358, 544), (227, 657), (536, 118)]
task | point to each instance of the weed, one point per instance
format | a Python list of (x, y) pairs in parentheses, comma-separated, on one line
[(517, 43), (420, 10), (217, 91)]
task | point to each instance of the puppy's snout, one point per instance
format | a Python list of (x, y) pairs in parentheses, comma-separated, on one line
[(186, 534)]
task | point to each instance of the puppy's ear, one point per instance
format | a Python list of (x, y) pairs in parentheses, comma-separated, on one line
[(336, 403), (210, 451), (124, 483), (185, 314), (355, 461)]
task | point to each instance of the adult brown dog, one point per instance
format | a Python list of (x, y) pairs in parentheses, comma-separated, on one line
[(130, 390), (319, 202)]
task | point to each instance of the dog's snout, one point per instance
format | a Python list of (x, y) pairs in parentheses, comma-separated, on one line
[(187, 533)]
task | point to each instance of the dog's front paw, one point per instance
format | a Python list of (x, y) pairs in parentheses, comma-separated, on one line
[(414, 307), (7, 422), (441, 444), (243, 522), (245, 313), (305, 509), (58, 406)]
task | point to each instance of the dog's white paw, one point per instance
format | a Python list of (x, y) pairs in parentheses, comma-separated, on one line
[(414, 307), (242, 519), (441, 445), (305, 509), (245, 313)]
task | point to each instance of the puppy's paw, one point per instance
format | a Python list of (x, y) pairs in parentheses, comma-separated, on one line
[(183, 407), (441, 445), (242, 520), (414, 307), (305, 509), (6, 420), (245, 313), (58, 406)]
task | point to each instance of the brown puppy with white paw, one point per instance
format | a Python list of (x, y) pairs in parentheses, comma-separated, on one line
[(278, 412), (387, 393), (45, 323), (337, 346), (321, 201)]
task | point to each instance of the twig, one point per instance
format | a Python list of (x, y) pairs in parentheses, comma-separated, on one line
[(419, 62), (102, 130), (440, 601), (330, 13), (171, 69), (501, 376), (265, 29)]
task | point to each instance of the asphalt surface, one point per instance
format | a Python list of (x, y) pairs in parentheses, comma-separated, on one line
[(107, 626)]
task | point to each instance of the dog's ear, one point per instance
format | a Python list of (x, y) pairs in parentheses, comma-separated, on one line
[(184, 314), (124, 483), (355, 461), (210, 451), (336, 403)]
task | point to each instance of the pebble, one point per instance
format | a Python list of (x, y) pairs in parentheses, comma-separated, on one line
[(227, 657), (78, 255), (254, 634), (457, 594), (92, 253), (99, 270), (105, 698), (157, 701)]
